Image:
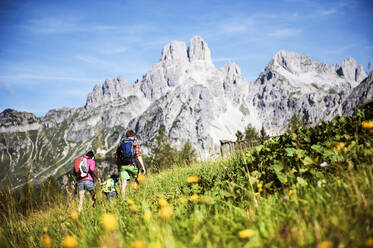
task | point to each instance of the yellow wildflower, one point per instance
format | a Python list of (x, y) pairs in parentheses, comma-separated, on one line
[(134, 186), (69, 242), (340, 146), (130, 202), (194, 197), (367, 124), (74, 215), (260, 186), (166, 212), (46, 240), (141, 178), (109, 222), (138, 244), (147, 215), (45, 229), (286, 180), (369, 242), (155, 244), (325, 244), (133, 208), (292, 191), (183, 200), (162, 202), (246, 234), (193, 179)]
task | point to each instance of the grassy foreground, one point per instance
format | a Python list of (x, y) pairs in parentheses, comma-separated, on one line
[(312, 188)]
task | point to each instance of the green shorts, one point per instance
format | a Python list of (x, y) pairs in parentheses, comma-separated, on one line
[(127, 171)]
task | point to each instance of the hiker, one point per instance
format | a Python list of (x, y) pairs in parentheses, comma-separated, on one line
[(108, 187), (84, 169), (128, 151)]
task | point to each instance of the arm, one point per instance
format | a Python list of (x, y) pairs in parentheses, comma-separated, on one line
[(94, 172), (139, 158)]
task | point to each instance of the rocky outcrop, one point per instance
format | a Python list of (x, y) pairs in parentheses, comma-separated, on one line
[(14, 121), (294, 84), (110, 91), (359, 95)]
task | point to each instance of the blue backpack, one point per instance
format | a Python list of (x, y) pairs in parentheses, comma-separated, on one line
[(127, 152)]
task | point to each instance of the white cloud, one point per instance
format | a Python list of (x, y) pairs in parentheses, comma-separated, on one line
[(327, 12), (53, 25), (234, 28), (237, 25), (90, 59), (285, 32)]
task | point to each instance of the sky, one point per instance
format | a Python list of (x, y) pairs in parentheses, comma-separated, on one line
[(53, 52)]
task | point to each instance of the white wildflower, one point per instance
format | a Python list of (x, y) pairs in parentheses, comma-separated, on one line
[(321, 183), (324, 164)]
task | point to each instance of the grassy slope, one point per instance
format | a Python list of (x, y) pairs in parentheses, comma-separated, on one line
[(301, 204)]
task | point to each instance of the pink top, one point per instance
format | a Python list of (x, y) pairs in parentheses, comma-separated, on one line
[(91, 168)]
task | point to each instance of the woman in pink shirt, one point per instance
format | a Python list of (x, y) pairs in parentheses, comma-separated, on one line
[(87, 183)]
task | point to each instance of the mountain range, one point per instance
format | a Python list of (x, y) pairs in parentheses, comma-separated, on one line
[(190, 98)]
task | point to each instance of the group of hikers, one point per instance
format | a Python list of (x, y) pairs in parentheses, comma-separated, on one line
[(127, 155)]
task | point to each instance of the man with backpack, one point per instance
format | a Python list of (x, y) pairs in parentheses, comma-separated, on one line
[(84, 168), (128, 151)]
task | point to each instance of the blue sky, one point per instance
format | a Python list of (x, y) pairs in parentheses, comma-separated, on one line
[(52, 53)]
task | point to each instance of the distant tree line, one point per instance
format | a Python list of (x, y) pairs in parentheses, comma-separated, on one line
[(251, 137), (163, 155)]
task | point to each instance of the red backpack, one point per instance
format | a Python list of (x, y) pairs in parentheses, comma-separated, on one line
[(81, 167)]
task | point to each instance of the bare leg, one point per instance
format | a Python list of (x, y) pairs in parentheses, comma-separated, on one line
[(124, 186), (93, 199), (81, 199)]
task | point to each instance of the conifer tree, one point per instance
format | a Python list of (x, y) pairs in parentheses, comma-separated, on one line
[(187, 155), (162, 154), (251, 135), (263, 135)]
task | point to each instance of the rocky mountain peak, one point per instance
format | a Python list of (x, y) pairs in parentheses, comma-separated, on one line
[(292, 62), (110, 90), (360, 74), (232, 68), (12, 121), (175, 50), (199, 50), (351, 72)]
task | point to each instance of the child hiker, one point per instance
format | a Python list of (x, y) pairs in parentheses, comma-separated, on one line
[(108, 187)]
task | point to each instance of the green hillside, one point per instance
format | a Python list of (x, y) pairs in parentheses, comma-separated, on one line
[(309, 188)]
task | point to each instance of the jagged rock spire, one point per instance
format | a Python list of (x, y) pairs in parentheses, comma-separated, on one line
[(198, 50)]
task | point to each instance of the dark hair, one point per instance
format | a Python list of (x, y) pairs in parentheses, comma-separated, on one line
[(130, 133), (114, 177), (90, 154)]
